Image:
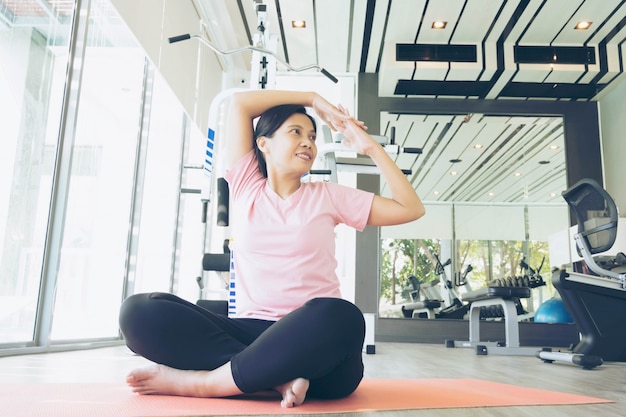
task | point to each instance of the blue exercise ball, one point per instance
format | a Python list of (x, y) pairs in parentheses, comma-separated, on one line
[(553, 311)]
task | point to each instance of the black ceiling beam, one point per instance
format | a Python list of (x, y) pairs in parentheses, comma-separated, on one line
[(551, 90)]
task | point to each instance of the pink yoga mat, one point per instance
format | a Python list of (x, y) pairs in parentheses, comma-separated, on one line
[(116, 400)]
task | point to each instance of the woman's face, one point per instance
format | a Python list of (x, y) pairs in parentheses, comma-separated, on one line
[(292, 148)]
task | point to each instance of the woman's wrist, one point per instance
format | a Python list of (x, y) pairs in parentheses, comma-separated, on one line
[(312, 98)]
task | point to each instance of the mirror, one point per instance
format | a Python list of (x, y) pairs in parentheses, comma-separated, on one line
[(492, 188)]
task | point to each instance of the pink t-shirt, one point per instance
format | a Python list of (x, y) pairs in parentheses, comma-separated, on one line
[(284, 249)]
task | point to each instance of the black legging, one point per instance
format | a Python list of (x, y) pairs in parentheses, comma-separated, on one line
[(321, 341)]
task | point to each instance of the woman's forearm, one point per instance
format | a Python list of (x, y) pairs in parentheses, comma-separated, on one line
[(402, 191), (254, 103)]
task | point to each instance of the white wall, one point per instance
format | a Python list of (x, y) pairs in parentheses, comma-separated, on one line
[(613, 131)]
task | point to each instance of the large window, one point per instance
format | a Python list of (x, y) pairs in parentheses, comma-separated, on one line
[(33, 63), (95, 237), (91, 171)]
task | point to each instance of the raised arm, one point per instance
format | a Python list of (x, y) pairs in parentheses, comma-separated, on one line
[(248, 105), (404, 205)]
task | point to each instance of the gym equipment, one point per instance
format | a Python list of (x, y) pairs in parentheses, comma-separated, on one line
[(597, 302), (453, 308), (505, 297), (553, 311), (584, 361), (460, 278), (263, 73), (500, 299), (597, 299), (262, 57), (419, 307), (327, 163), (220, 263), (263, 80)]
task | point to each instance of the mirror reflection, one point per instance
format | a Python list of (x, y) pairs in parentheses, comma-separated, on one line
[(492, 189)]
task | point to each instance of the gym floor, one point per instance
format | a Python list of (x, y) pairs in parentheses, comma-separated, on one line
[(392, 360)]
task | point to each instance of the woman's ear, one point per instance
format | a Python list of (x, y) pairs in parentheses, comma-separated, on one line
[(261, 143)]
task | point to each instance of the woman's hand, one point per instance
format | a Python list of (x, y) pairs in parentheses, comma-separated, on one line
[(334, 117), (356, 138)]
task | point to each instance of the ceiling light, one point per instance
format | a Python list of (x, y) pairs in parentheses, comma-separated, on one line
[(582, 25), (439, 24), (298, 24)]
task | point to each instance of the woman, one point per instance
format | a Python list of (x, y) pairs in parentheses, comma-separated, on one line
[(288, 328)]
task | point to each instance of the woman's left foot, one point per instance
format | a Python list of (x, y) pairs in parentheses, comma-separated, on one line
[(293, 392)]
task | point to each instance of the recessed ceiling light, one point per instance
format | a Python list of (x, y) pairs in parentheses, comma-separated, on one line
[(583, 25), (298, 24), (478, 146), (439, 24)]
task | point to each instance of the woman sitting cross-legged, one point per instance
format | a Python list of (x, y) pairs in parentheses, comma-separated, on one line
[(288, 328)]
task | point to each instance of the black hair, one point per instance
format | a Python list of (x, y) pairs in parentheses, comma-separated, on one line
[(268, 124)]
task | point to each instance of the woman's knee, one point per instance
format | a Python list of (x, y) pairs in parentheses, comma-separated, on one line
[(338, 313), (138, 311)]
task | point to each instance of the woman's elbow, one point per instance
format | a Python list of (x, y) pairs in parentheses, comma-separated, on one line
[(420, 212), (417, 211), (411, 214)]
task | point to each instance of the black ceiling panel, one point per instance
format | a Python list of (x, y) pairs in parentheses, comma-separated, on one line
[(555, 55), (448, 88), (437, 53)]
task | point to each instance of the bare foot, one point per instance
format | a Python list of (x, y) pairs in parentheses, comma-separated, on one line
[(293, 392), (161, 379)]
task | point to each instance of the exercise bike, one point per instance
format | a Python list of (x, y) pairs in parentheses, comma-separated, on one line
[(430, 307), (594, 295)]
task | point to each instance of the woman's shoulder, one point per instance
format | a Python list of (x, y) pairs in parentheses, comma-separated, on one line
[(243, 174)]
